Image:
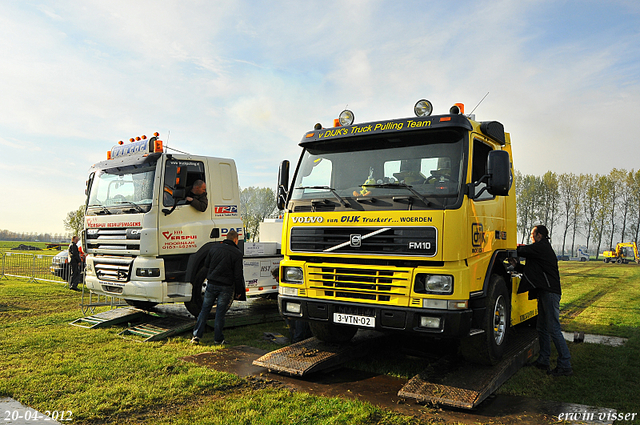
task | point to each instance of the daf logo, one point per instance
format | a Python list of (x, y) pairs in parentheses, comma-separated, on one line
[(355, 241)]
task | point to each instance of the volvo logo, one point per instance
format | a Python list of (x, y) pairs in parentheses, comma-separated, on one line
[(355, 241)]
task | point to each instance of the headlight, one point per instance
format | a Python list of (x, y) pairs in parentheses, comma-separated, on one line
[(433, 284), (346, 117), (423, 108), (293, 275), (148, 272)]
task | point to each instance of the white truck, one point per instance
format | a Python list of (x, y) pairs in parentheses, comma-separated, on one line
[(146, 244)]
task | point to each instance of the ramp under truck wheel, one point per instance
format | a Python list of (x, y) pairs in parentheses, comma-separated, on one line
[(488, 347)]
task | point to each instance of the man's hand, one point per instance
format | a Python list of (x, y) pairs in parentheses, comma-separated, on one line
[(513, 262), (189, 199)]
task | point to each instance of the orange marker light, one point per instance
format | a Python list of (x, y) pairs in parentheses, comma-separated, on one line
[(157, 146), (144, 137), (336, 122), (120, 142), (156, 134), (108, 154), (445, 119), (137, 138), (132, 140)]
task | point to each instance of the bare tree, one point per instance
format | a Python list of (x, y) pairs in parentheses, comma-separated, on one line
[(568, 187), (549, 195), (74, 221), (256, 204), (603, 193), (590, 204), (626, 200)]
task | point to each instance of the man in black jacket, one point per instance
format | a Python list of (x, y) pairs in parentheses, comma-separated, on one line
[(540, 272), (225, 282), (76, 260)]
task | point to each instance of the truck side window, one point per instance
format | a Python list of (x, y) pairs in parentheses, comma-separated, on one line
[(195, 171), (479, 167)]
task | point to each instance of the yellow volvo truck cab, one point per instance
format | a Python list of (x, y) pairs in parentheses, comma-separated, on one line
[(403, 225)]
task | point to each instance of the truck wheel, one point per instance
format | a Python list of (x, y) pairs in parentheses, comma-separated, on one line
[(606, 260), (197, 293), (487, 348), (142, 305), (329, 332)]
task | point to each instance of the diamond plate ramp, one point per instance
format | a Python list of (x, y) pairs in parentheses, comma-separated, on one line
[(468, 385), (109, 318), (313, 355)]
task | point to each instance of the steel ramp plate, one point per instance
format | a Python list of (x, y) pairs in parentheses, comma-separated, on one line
[(160, 328), (467, 386), (313, 355), (109, 318)]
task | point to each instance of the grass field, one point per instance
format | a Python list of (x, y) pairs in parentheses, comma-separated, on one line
[(102, 378)]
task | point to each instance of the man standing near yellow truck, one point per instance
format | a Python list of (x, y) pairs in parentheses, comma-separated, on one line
[(540, 273)]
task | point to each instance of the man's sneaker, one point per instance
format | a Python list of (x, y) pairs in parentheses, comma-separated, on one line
[(195, 340), (560, 371), (223, 342)]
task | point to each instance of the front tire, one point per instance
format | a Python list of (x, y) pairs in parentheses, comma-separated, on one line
[(197, 292), (489, 347), (142, 305), (330, 332)]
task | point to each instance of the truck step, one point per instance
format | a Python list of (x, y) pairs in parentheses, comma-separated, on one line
[(313, 355), (469, 385), (109, 318)]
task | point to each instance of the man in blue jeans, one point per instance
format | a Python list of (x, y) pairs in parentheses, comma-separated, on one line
[(225, 282), (540, 273)]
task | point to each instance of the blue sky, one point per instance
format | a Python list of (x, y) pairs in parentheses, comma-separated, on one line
[(246, 79)]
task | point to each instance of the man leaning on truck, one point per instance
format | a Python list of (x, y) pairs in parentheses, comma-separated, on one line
[(540, 272), (197, 196), (225, 282)]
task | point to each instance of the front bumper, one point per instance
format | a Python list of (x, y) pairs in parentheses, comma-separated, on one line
[(453, 323)]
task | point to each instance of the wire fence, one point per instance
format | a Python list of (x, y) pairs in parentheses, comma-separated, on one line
[(53, 268), (44, 267)]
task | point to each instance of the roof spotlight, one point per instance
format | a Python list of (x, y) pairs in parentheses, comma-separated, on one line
[(423, 108), (457, 108), (346, 117)]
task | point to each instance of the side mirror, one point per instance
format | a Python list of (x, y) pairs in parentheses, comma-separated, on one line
[(499, 171), (283, 185)]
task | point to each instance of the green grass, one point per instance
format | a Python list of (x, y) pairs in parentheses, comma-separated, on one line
[(599, 299), (49, 365)]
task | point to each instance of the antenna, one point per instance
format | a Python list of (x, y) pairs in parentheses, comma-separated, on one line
[(479, 103), (166, 146)]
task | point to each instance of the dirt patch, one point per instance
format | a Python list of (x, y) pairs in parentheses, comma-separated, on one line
[(380, 390)]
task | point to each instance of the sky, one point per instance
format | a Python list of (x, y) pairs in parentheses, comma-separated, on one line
[(246, 79)]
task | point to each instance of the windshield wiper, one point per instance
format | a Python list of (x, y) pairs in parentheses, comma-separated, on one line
[(105, 209), (400, 186), (342, 201), (137, 207)]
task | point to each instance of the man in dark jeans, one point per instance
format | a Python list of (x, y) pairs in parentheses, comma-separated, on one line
[(225, 282), (540, 272), (76, 260)]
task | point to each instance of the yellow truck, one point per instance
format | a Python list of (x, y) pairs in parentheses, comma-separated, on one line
[(620, 254), (403, 225)]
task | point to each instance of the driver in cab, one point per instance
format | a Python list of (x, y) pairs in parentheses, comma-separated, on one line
[(197, 196)]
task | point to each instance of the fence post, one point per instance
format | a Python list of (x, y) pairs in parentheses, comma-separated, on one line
[(3, 259), (33, 268)]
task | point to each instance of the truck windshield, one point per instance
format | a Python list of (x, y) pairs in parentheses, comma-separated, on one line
[(423, 166), (122, 190)]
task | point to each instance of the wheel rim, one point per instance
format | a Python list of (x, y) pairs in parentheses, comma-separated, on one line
[(499, 320)]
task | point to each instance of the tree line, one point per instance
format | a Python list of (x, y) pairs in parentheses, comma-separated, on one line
[(604, 209)]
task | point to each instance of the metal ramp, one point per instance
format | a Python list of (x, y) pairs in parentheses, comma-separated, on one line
[(313, 355), (159, 328), (109, 318), (467, 386)]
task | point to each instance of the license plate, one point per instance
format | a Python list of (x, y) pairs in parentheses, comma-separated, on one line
[(352, 319)]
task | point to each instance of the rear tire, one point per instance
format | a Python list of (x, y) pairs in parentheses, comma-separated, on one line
[(488, 347), (329, 332), (197, 292)]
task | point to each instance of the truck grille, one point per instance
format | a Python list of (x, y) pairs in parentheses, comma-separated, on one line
[(115, 269), (364, 284), (420, 241), (117, 241)]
